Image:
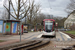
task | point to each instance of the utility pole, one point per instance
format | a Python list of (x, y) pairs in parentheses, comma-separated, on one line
[(9, 10), (20, 28)]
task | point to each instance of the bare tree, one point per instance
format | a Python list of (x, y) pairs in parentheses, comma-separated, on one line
[(33, 12), (22, 8), (4, 12), (4, 15), (70, 7)]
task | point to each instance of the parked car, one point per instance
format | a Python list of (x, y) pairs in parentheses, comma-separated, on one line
[(32, 30)]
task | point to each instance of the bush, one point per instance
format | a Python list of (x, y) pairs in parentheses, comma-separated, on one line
[(72, 27)]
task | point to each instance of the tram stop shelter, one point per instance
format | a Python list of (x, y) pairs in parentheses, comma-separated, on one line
[(1, 26), (12, 27)]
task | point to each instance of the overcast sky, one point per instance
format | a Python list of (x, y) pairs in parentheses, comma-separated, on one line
[(53, 7)]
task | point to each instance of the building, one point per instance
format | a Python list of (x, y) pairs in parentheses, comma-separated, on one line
[(70, 20)]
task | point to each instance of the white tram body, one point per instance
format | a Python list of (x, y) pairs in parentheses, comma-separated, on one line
[(49, 33), (48, 27)]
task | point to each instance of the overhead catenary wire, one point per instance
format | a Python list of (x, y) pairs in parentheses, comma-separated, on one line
[(49, 4)]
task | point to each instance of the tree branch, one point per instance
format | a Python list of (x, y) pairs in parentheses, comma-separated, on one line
[(23, 3), (23, 16), (21, 10), (22, 13), (18, 10), (13, 16), (13, 8), (10, 13), (25, 13), (16, 2), (6, 8)]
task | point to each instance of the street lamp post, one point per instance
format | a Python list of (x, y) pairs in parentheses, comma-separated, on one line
[(20, 28)]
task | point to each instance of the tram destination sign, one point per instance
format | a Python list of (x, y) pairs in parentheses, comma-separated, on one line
[(48, 21)]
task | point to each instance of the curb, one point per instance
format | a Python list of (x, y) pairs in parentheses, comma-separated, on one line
[(39, 36), (66, 35)]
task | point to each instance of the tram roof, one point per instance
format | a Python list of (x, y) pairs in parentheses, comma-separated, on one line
[(49, 19)]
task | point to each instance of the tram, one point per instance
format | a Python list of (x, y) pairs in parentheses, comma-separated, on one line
[(48, 27)]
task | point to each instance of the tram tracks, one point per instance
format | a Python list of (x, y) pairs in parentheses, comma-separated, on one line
[(31, 46)]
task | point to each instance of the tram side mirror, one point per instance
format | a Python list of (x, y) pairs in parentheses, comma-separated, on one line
[(54, 23), (42, 23)]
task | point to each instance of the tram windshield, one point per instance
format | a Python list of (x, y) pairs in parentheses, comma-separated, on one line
[(48, 26)]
